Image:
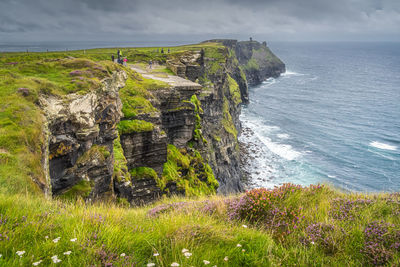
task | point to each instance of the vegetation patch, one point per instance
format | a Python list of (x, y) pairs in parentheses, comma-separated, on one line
[(100, 153), (227, 121), (81, 190), (120, 172), (134, 126), (143, 173), (252, 64), (189, 171), (234, 91)]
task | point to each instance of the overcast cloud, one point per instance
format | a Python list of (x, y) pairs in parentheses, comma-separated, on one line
[(34, 20)]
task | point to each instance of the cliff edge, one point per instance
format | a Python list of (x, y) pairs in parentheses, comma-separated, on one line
[(99, 130)]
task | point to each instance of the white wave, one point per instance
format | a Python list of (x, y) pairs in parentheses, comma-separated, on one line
[(269, 81), (283, 136), (291, 73), (331, 176), (282, 150), (383, 146)]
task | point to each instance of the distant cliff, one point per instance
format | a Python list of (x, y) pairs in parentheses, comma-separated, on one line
[(256, 59)]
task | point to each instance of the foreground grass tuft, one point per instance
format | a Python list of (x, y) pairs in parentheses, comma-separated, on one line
[(285, 226)]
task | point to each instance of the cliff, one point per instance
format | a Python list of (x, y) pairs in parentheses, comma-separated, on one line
[(257, 60), (98, 130)]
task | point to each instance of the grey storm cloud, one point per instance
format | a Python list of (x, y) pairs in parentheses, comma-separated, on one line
[(273, 18)]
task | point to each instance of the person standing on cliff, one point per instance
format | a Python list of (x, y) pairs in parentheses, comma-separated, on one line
[(150, 64), (119, 56), (112, 57), (125, 61)]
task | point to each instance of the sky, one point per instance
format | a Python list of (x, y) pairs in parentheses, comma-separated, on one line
[(187, 20)]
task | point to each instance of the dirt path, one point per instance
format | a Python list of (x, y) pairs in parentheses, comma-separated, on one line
[(173, 80)]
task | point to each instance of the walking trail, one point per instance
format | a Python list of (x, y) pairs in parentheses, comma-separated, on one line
[(156, 74)]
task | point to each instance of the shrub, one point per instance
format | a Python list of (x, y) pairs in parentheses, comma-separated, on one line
[(266, 207), (381, 241)]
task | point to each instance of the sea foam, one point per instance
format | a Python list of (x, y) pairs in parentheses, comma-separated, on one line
[(383, 146)]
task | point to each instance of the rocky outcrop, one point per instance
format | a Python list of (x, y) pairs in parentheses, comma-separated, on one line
[(82, 129)]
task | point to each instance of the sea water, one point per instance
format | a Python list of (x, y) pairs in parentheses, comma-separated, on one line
[(333, 117)]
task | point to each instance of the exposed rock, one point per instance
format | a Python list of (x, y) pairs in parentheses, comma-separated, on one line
[(82, 129)]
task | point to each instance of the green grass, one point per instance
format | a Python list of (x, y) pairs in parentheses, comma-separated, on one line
[(104, 231), (120, 172), (234, 91), (143, 173), (134, 126), (227, 121), (189, 171)]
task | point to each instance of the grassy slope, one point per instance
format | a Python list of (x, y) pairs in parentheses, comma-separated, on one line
[(105, 231)]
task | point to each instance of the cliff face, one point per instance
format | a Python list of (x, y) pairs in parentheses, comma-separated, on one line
[(141, 134), (256, 59)]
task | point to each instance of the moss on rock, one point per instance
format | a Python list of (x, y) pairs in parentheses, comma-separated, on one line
[(189, 171), (120, 172), (81, 190), (134, 126)]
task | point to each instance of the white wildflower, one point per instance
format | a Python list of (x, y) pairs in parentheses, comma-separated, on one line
[(206, 262), (185, 250), (187, 254), (312, 242), (55, 259), (226, 258), (174, 264), (74, 239), (123, 255), (37, 263), (150, 264), (67, 252), (244, 226), (47, 237), (239, 246), (156, 254), (20, 253), (56, 239), (243, 250), (1, 255)]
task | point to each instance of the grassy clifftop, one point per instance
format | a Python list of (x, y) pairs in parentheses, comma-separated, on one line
[(290, 225)]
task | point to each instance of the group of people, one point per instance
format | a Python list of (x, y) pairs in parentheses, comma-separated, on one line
[(120, 60)]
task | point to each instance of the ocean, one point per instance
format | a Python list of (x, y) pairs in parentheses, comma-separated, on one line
[(333, 117)]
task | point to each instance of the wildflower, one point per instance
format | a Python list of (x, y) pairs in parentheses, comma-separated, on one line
[(226, 258), (238, 245), (184, 250), (1, 255), (312, 242), (174, 264), (20, 253), (47, 237), (243, 250), (187, 254), (123, 255), (206, 262), (55, 259), (74, 239), (56, 240), (37, 263), (67, 252), (156, 254), (244, 226), (150, 264)]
